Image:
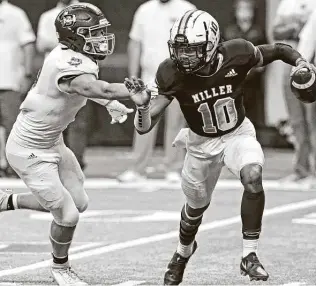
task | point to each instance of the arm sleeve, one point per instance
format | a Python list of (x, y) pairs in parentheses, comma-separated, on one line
[(142, 119), (244, 52), (26, 34), (278, 51)]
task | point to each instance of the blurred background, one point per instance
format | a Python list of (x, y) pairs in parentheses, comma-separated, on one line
[(120, 13), (254, 20)]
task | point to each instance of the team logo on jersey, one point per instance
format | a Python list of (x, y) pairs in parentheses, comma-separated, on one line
[(231, 73), (213, 92), (75, 61), (32, 156)]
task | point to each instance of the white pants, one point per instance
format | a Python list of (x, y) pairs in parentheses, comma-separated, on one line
[(53, 175), (206, 156)]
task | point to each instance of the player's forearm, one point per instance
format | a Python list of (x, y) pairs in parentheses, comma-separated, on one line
[(146, 118), (103, 90), (278, 51), (142, 120), (145, 124)]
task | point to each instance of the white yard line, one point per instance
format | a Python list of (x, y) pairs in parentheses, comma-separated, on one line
[(159, 237), (295, 284), (130, 283), (153, 185), (71, 250), (84, 247), (127, 283)]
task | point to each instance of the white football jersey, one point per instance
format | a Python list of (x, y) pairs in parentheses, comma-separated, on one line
[(47, 111)]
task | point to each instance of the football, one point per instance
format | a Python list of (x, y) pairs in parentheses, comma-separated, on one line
[(303, 85)]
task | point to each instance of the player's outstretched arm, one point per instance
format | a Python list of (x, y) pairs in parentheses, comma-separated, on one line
[(148, 109), (87, 85), (267, 54)]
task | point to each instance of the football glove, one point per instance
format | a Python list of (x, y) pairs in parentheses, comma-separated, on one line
[(118, 111)]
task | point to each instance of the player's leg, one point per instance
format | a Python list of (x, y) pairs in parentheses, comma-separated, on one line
[(199, 178), (72, 178), (10, 201), (54, 197), (42, 178), (244, 157), (19, 162)]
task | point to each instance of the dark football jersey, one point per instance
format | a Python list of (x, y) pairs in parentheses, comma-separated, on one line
[(212, 106)]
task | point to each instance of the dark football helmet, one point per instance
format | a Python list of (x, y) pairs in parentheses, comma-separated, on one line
[(303, 85), (82, 27)]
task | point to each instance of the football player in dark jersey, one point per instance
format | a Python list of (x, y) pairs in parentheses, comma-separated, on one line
[(206, 76)]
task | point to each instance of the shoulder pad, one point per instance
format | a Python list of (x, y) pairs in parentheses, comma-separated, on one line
[(166, 75), (76, 63), (239, 50)]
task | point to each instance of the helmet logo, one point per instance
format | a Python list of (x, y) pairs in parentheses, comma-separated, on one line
[(68, 20), (179, 38)]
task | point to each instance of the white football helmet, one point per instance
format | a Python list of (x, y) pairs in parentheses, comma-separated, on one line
[(194, 39)]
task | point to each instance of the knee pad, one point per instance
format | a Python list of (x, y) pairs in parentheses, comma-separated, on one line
[(197, 195), (83, 204), (51, 200), (81, 199), (67, 216)]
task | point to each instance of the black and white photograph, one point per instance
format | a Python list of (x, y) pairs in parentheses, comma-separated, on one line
[(157, 142)]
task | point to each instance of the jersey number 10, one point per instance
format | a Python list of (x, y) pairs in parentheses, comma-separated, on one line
[(225, 114)]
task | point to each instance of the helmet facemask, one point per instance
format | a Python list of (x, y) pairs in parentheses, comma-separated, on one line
[(189, 58), (98, 42)]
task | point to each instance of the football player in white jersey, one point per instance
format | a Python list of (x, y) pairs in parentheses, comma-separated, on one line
[(35, 148)]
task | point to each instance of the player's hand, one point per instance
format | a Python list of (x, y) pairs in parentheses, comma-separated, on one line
[(313, 68), (302, 63), (118, 111), (140, 95)]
